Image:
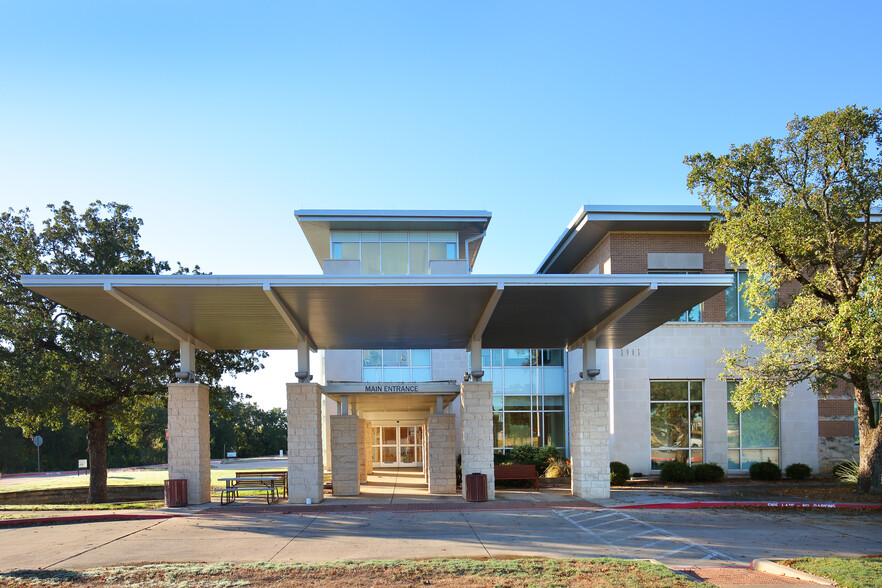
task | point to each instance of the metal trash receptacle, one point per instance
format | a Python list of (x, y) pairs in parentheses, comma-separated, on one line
[(476, 487), (176, 492)]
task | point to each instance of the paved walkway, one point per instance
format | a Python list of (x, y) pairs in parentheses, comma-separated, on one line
[(394, 517)]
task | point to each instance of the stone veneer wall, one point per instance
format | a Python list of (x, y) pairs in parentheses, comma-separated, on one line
[(589, 438), (366, 449), (305, 468), (344, 455), (441, 444), (362, 458), (476, 409), (189, 441)]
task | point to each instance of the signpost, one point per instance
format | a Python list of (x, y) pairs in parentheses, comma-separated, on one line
[(82, 464), (38, 441)]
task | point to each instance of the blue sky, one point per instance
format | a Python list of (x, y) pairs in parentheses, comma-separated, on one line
[(216, 120)]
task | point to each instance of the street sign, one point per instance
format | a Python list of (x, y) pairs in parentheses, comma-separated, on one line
[(38, 440)]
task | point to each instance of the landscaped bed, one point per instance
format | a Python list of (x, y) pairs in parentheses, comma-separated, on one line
[(435, 572)]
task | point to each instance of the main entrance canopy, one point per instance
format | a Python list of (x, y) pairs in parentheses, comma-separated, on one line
[(392, 312)]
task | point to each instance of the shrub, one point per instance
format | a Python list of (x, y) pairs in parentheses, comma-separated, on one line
[(708, 472), (676, 471), (558, 468), (765, 470), (847, 471), (535, 456), (619, 473), (798, 471)]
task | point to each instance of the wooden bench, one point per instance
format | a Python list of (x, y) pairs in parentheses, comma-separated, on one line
[(517, 472), (283, 474)]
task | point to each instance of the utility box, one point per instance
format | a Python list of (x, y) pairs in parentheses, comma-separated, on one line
[(176, 492), (476, 487)]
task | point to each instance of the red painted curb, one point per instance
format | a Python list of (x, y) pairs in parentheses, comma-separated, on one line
[(672, 505), (24, 522)]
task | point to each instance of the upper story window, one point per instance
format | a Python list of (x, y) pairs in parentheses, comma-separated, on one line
[(396, 365), (394, 252), (737, 309), (736, 305)]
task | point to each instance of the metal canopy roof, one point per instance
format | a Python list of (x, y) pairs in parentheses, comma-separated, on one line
[(372, 312), (592, 223), (318, 224)]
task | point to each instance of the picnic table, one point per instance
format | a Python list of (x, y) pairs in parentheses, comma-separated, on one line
[(269, 485)]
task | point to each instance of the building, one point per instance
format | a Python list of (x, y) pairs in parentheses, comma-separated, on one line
[(609, 350)]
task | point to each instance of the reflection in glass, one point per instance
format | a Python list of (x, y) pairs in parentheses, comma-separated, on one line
[(517, 428), (669, 426), (370, 259)]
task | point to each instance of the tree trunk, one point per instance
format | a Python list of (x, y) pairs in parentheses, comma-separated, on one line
[(97, 448), (870, 436)]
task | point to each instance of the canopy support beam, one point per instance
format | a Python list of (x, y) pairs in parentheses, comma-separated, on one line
[(157, 319), (288, 317), (614, 316)]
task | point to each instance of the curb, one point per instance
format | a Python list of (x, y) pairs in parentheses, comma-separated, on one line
[(770, 567), (674, 505), (33, 521)]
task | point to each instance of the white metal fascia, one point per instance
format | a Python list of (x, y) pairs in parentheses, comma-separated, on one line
[(478, 333), (614, 316), (288, 316), (157, 319)]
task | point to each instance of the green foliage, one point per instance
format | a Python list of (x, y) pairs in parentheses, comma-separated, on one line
[(801, 214), (58, 366), (536, 456), (708, 472), (677, 472), (765, 470), (619, 473), (798, 471)]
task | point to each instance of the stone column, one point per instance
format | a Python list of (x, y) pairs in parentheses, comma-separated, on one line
[(362, 458), (426, 460), (589, 438), (440, 435), (368, 444), (476, 410), (189, 441), (344, 455), (305, 468)]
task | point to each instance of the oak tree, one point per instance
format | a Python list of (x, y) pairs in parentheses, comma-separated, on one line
[(801, 213), (57, 365)]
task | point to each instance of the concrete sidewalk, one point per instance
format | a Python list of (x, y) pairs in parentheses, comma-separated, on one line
[(395, 518)]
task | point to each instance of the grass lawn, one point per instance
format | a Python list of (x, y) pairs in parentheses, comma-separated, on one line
[(538, 572), (845, 571), (151, 477), (17, 511)]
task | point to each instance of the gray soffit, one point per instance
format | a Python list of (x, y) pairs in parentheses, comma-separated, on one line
[(405, 312), (318, 224), (592, 223)]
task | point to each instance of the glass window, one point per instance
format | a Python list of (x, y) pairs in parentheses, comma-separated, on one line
[(419, 258), (370, 259), (396, 365), (676, 421), (753, 435), (394, 252), (529, 402)]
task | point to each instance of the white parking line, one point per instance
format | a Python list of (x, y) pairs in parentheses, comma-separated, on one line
[(627, 526)]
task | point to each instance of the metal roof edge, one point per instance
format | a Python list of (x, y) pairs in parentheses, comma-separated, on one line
[(122, 281)]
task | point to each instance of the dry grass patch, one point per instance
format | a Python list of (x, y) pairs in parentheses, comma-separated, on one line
[(516, 572)]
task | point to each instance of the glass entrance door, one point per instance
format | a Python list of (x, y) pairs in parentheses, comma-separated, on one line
[(396, 446)]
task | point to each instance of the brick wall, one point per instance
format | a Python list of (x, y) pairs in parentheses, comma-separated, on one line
[(596, 258)]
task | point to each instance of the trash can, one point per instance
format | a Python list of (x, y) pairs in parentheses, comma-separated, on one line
[(476, 487), (176, 492)]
